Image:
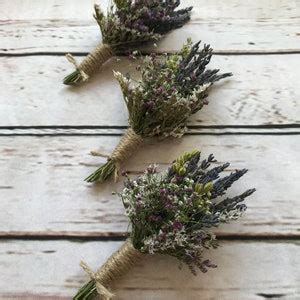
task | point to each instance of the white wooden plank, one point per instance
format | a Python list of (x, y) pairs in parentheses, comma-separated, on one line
[(43, 192), (212, 10), (56, 26), (246, 270), (263, 90)]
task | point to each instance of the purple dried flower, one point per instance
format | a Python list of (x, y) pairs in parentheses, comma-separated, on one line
[(124, 173), (163, 192), (153, 55), (149, 105), (177, 179), (155, 219), (177, 225), (162, 236), (193, 76), (151, 169)]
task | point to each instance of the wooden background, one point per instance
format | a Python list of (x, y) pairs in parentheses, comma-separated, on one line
[(51, 219)]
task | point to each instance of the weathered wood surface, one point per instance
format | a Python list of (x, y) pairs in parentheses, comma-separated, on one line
[(254, 26), (248, 271), (43, 192), (47, 131), (262, 91)]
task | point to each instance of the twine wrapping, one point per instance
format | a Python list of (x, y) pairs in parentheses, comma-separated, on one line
[(93, 61), (127, 145), (115, 266)]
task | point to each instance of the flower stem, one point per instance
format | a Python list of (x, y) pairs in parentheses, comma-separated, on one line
[(87, 292), (73, 78), (103, 173)]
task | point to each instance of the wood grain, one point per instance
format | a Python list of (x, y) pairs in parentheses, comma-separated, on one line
[(261, 92), (47, 131), (49, 270), (43, 192), (56, 27)]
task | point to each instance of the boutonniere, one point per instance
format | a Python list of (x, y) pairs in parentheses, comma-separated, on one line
[(128, 25), (171, 89), (171, 213)]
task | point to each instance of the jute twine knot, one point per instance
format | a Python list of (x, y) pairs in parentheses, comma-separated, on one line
[(116, 265), (101, 289), (73, 61), (93, 61), (127, 145)]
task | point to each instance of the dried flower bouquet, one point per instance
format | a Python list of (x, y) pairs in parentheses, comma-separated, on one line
[(171, 213), (128, 24), (170, 90)]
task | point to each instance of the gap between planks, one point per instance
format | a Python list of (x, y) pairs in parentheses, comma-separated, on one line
[(121, 236), (285, 129), (144, 53)]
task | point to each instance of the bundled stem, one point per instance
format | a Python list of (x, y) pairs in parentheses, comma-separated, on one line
[(101, 54), (116, 265), (129, 142)]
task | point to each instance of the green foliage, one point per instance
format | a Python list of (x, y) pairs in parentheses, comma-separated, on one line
[(73, 78), (87, 292), (121, 4)]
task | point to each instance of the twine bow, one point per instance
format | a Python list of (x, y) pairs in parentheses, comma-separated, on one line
[(73, 61), (115, 266), (101, 289), (91, 63)]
